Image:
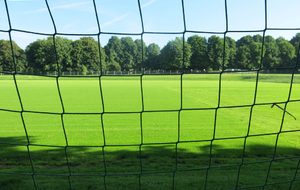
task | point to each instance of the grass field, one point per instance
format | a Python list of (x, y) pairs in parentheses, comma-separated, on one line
[(154, 137)]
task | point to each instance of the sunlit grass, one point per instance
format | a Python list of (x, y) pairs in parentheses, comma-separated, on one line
[(111, 125)]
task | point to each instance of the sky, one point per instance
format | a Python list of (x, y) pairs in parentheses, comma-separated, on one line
[(76, 18)]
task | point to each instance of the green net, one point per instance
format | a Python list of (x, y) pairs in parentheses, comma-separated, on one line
[(224, 129)]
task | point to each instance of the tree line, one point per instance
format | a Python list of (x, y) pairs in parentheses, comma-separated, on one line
[(86, 54)]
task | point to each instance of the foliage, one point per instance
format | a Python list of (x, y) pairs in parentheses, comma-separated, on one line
[(129, 50), (199, 57), (271, 58), (86, 53), (62, 54), (140, 56), (230, 53), (71, 55), (63, 49), (215, 52), (113, 51), (152, 55), (174, 56), (41, 55), (248, 53), (286, 52), (6, 58)]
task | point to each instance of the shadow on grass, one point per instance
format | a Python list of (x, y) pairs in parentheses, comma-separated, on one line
[(18, 153), (189, 159)]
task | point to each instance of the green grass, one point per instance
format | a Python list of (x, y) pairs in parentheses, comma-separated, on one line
[(122, 140)]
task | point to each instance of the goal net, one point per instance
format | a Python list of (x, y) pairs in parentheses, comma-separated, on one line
[(149, 94)]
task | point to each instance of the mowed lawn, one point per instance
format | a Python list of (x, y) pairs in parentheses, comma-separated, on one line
[(133, 124)]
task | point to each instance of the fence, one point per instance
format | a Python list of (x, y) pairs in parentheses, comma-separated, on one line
[(159, 72)]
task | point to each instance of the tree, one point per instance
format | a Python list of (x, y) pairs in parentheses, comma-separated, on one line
[(255, 55), (295, 41), (129, 51), (172, 55), (215, 52), (6, 57), (113, 50), (258, 38), (63, 50), (41, 55), (271, 55), (199, 58), (286, 52), (152, 54), (140, 55), (85, 53), (248, 53), (242, 57), (113, 66), (77, 55), (230, 53), (245, 40)]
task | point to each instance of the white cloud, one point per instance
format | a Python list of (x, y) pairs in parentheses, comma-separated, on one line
[(21, 0), (108, 23), (130, 26), (149, 3), (92, 29), (114, 20), (71, 24), (70, 5), (58, 7), (36, 11)]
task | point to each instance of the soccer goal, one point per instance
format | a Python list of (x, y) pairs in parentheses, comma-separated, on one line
[(149, 94)]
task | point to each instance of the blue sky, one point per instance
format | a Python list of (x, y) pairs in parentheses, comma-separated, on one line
[(123, 16)]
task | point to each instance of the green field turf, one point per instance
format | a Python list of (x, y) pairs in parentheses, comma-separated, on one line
[(138, 124)]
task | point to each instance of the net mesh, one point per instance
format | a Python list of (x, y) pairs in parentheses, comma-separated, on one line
[(232, 175)]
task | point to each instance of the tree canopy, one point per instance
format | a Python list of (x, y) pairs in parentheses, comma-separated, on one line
[(152, 57), (197, 52), (199, 58), (7, 59), (174, 55)]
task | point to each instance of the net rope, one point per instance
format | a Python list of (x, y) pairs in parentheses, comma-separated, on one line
[(140, 174)]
